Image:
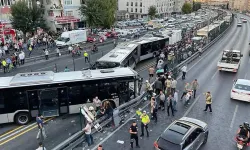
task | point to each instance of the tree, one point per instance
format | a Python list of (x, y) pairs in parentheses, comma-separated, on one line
[(26, 19), (196, 6), (152, 12), (186, 8), (99, 12)]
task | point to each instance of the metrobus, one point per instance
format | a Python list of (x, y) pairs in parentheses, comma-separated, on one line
[(128, 54), (25, 95)]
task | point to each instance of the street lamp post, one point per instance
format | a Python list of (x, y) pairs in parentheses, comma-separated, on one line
[(74, 63)]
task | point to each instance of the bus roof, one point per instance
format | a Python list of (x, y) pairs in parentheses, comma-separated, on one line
[(119, 53), (49, 77)]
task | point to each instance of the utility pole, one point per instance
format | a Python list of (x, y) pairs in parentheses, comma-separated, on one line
[(208, 22)]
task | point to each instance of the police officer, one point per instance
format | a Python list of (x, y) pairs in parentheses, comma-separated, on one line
[(86, 56), (133, 130), (144, 123)]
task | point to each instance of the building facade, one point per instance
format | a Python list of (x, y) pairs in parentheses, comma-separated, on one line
[(241, 5), (178, 6), (139, 8)]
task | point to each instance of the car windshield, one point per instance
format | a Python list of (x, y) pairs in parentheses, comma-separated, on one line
[(106, 65), (242, 87), (63, 39), (167, 145)]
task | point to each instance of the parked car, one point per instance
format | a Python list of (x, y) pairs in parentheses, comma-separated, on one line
[(91, 39), (183, 134)]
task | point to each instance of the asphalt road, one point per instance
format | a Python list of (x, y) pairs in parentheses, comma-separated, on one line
[(227, 114)]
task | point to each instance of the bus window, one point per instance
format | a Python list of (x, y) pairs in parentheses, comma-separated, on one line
[(89, 91), (16, 99), (108, 90), (74, 93), (1, 102), (131, 62), (146, 49), (156, 46)]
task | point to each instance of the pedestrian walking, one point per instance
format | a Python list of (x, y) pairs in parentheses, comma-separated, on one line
[(158, 86), (162, 98), (175, 100), (58, 52), (186, 89), (154, 107), (30, 50), (149, 88), (21, 57), (208, 97), (151, 71), (187, 98), (41, 129), (88, 135), (173, 85), (144, 123), (86, 56), (184, 72), (41, 147), (195, 86), (170, 104), (168, 83), (4, 64), (46, 54), (133, 130)]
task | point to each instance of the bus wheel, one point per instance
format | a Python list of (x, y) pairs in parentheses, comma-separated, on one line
[(22, 118)]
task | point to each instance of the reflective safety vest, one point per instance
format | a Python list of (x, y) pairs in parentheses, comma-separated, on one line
[(30, 48), (4, 63), (145, 119), (85, 54), (138, 112)]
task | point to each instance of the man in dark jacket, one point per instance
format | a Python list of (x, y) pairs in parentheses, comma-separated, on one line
[(158, 86)]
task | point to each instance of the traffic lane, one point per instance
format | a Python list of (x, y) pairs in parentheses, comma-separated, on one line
[(61, 62), (57, 130)]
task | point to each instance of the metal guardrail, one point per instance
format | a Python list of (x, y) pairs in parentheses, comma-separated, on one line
[(76, 139), (63, 52)]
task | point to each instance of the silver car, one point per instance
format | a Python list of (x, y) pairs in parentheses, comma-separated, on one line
[(183, 134)]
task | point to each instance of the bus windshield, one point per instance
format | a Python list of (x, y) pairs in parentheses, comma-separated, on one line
[(106, 65), (63, 39)]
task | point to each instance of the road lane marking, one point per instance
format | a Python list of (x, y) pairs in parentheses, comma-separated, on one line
[(11, 131), (214, 75), (129, 119), (233, 119), (21, 131), (190, 108)]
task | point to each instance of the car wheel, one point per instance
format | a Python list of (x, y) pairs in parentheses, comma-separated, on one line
[(22, 118), (205, 138)]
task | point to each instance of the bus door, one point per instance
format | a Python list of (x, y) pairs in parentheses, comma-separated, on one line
[(48, 102), (33, 102), (63, 100)]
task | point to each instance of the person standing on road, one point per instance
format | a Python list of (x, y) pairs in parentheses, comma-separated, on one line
[(40, 124), (149, 88), (21, 57), (184, 72), (4, 64), (86, 56), (88, 135), (162, 98), (151, 71), (173, 85), (70, 49), (158, 86), (154, 107), (195, 86), (186, 89), (46, 54), (133, 130), (168, 85), (58, 52), (30, 50), (175, 100), (144, 123), (41, 147), (66, 69), (208, 97), (97, 102), (170, 104), (200, 51)]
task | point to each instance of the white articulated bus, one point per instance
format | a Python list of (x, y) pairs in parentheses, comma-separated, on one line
[(25, 95), (128, 54)]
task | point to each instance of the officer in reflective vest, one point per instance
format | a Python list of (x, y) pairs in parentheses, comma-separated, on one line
[(86, 56), (144, 123)]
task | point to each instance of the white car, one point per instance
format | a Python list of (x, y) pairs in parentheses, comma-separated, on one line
[(239, 24), (241, 90)]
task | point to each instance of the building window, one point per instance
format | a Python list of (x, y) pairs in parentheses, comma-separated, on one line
[(140, 10), (131, 9), (135, 3), (68, 2), (135, 9), (127, 9), (127, 3), (140, 4), (131, 3), (69, 13)]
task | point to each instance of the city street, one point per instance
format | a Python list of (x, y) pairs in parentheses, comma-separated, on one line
[(223, 122), (227, 114)]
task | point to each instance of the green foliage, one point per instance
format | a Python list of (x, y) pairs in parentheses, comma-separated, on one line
[(196, 6), (99, 12), (186, 8), (152, 12), (25, 18)]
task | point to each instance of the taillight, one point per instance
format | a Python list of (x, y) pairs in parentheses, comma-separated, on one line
[(156, 144)]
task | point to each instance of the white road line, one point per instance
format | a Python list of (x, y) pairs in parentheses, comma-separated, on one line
[(117, 129), (245, 76), (190, 108), (214, 75), (233, 119)]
